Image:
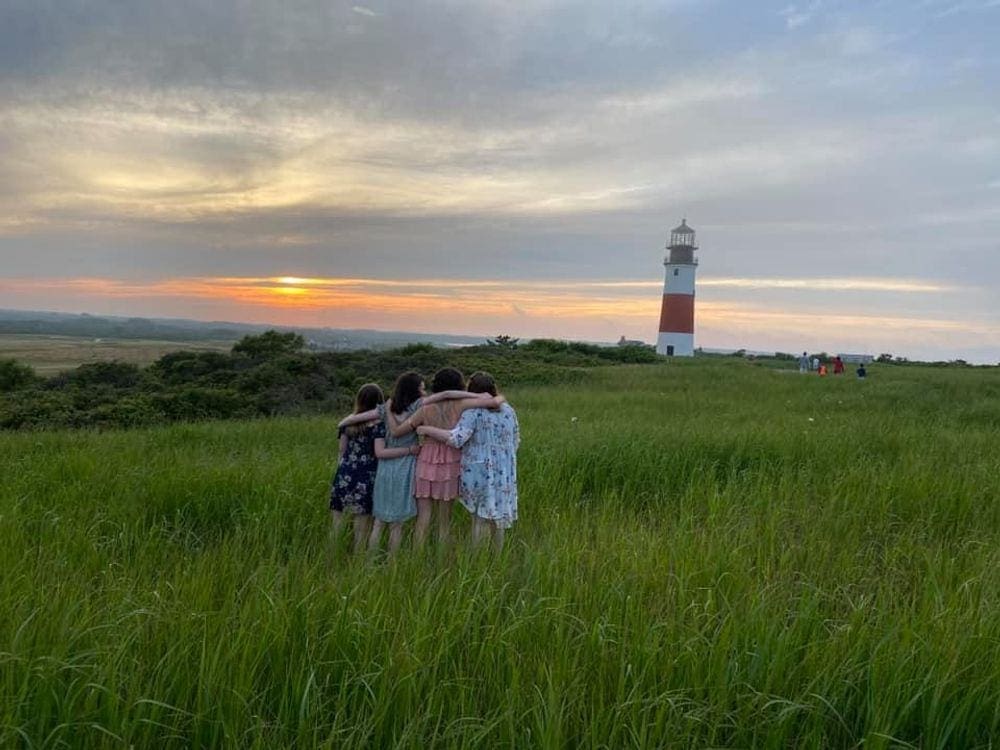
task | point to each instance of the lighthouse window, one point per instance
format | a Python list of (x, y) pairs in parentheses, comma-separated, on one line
[(677, 272)]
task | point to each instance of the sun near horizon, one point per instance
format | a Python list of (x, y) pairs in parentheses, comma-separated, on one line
[(491, 168)]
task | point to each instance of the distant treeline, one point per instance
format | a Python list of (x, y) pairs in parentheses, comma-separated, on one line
[(88, 326), (266, 375), (34, 323)]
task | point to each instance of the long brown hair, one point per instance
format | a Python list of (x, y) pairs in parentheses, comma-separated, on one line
[(369, 396), (407, 391)]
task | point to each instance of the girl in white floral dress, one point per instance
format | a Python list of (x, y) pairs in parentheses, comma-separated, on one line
[(489, 439)]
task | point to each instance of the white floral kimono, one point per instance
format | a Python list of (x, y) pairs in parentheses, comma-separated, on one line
[(489, 441)]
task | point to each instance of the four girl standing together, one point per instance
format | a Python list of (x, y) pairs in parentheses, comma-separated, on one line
[(468, 453)]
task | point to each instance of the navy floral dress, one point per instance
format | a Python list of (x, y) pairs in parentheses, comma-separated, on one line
[(352, 486)]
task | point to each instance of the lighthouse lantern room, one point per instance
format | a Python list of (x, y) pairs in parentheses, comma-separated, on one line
[(676, 337)]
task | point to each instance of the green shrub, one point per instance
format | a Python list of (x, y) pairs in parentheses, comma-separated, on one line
[(15, 375), (36, 408), (115, 374), (268, 345), (411, 350), (189, 367), (271, 375)]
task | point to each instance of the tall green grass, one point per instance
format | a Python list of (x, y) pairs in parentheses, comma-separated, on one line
[(709, 554)]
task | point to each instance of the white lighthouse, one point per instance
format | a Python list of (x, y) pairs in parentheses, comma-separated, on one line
[(676, 337)]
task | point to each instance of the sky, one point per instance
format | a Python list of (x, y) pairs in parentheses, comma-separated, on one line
[(510, 166)]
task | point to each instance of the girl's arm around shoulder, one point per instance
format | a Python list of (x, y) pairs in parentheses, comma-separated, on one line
[(381, 452), (364, 416), (398, 429), (482, 401), (456, 437), (434, 433), (448, 395)]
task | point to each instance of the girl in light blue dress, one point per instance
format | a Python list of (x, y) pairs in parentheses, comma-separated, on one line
[(392, 502), (489, 439)]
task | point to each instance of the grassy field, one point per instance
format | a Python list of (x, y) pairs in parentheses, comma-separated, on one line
[(52, 354), (712, 554)]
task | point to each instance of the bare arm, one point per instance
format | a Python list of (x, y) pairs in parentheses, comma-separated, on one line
[(434, 433), (482, 401), (381, 452), (398, 429), (343, 446), (444, 395), (457, 436), (364, 416)]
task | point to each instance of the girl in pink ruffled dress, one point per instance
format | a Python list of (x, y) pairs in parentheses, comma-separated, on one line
[(439, 466)]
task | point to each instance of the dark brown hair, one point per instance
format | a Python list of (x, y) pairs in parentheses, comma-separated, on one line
[(482, 382), (447, 379), (407, 391)]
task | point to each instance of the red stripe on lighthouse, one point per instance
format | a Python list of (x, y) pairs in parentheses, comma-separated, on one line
[(677, 313)]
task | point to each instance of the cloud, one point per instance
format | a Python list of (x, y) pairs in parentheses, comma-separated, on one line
[(537, 295), (686, 93), (834, 284), (860, 41), (181, 154), (541, 140), (975, 215), (799, 14), (949, 8)]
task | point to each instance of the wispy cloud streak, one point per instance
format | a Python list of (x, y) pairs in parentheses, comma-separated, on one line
[(629, 302), (313, 291), (834, 284)]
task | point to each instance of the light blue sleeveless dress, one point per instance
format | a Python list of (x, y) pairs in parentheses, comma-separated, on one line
[(392, 500)]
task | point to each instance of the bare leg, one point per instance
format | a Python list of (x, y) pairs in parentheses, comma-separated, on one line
[(336, 523), (375, 538), (336, 527), (395, 537), (362, 525), (479, 529), (424, 510), (444, 521), (498, 534)]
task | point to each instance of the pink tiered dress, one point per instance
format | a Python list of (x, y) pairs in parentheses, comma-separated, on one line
[(439, 466)]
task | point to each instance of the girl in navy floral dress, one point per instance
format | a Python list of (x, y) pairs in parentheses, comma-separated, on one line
[(354, 482)]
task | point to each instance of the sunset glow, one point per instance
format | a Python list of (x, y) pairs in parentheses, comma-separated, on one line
[(601, 310), (478, 167)]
